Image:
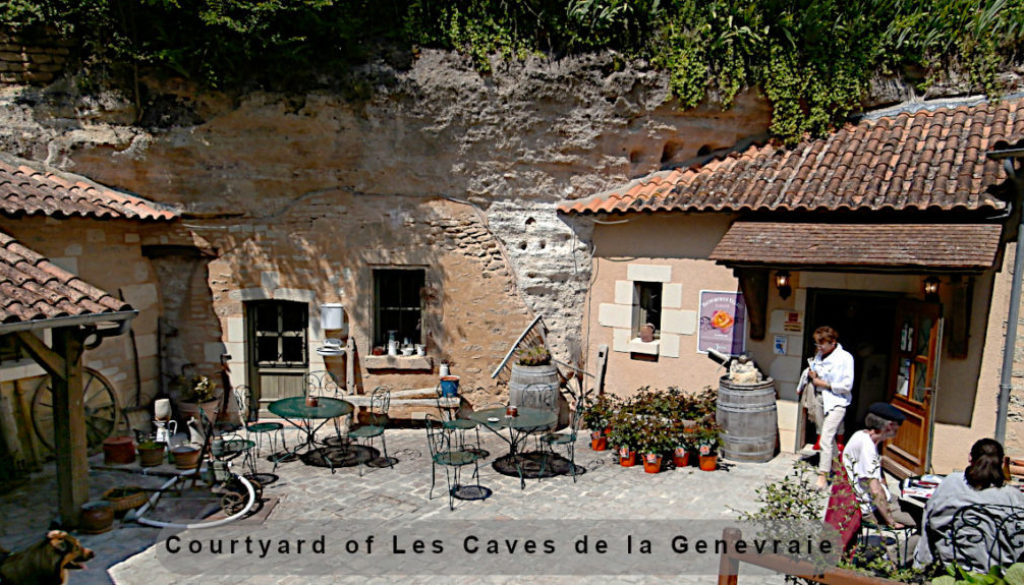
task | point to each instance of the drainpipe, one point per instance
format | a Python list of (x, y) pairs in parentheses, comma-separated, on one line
[(1006, 379)]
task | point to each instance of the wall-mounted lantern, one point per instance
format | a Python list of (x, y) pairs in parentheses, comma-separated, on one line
[(930, 287), (782, 283)]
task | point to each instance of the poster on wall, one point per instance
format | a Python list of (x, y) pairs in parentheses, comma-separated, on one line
[(723, 322)]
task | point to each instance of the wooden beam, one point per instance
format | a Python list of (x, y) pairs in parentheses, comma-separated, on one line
[(69, 435), (754, 286), (51, 361)]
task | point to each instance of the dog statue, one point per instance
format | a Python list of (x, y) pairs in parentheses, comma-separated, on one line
[(46, 562)]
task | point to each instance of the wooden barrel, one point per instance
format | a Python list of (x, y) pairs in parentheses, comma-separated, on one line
[(749, 420), (537, 387)]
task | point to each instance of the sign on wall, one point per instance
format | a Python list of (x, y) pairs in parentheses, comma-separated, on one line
[(723, 322)]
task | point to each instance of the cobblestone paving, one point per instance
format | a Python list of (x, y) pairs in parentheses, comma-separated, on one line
[(605, 491)]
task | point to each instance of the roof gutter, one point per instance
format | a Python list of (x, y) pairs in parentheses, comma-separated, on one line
[(1006, 377), (124, 317)]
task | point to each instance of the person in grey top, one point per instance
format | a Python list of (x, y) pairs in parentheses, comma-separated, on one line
[(981, 483)]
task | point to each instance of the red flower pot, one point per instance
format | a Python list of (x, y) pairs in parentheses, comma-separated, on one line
[(598, 442), (627, 458), (681, 458), (652, 462), (709, 462)]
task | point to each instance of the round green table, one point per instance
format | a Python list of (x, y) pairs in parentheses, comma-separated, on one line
[(526, 422), (294, 409)]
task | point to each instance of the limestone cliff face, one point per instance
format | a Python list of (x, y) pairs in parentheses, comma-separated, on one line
[(507, 145)]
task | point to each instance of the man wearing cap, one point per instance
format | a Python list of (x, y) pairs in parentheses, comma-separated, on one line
[(863, 466), (831, 372)]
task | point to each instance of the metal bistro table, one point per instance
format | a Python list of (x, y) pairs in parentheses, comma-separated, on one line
[(294, 409), (520, 427)]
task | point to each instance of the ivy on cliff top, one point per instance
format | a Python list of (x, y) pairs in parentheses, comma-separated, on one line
[(812, 58)]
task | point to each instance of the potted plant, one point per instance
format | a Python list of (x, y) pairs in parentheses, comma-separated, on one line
[(151, 453), (624, 436), (597, 417), (708, 440), (683, 442), (654, 439), (194, 393)]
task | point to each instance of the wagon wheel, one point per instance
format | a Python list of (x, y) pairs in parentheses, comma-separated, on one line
[(235, 496), (101, 410)]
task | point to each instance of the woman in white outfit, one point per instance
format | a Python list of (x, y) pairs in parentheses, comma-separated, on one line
[(832, 372)]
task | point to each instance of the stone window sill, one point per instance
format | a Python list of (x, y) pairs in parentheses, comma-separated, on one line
[(399, 362), (645, 347)]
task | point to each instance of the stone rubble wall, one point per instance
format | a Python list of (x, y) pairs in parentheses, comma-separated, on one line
[(34, 59)]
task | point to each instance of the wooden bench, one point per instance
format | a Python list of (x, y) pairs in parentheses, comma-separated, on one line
[(729, 566)]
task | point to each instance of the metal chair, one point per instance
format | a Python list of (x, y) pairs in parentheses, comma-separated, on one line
[(371, 424), (449, 416), (227, 445), (567, 439), (322, 383), (447, 454), (255, 430)]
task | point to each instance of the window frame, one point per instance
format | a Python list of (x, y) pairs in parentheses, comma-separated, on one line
[(280, 333), (641, 313), (418, 309)]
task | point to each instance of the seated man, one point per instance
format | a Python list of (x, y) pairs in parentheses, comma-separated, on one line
[(981, 484), (863, 466)]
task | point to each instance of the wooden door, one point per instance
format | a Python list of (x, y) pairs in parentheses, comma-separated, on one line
[(278, 353), (915, 367)]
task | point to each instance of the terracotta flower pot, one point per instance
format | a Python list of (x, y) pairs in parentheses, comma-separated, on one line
[(96, 517), (709, 462), (627, 457), (151, 456), (186, 457), (118, 450), (681, 457), (598, 442), (652, 462)]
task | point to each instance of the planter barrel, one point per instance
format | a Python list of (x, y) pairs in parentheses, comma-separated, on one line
[(537, 387), (749, 419)]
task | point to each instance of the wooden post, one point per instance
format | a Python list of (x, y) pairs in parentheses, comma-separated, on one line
[(64, 364), (728, 566), (69, 437)]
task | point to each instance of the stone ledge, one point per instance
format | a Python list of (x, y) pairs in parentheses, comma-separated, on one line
[(401, 362)]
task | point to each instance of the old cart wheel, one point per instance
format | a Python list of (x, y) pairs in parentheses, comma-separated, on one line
[(101, 409), (235, 497)]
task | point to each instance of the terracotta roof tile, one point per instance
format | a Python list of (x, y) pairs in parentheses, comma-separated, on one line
[(912, 160), (33, 288), (27, 190), (921, 246)]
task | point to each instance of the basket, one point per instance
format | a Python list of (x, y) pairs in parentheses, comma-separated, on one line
[(126, 498)]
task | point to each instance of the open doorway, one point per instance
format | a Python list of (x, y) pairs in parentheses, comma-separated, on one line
[(866, 325)]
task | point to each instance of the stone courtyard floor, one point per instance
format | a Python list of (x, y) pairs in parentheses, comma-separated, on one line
[(311, 500)]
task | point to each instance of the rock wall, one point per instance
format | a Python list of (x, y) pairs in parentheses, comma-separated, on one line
[(509, 145)]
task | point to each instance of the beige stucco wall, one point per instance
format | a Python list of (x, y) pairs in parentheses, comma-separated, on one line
[(678, 245), (108, 255)]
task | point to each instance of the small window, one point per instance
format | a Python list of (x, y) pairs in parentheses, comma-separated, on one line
[(397, 305), (647, 307), (279, 331)]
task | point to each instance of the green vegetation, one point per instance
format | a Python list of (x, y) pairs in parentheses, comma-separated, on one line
[(812, 58)]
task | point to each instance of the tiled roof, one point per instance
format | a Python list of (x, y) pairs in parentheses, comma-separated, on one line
[(928, 159), (946, 246), (26, 189), (33, 288)]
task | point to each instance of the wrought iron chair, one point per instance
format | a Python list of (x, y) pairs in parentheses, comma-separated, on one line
[(254, 429), (371, 424), (447, 454), (227, 445), (448, 411), (324, 384), (566, 439)]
